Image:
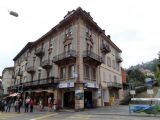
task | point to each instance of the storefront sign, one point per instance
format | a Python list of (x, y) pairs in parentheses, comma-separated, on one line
[(66, 85), (91, 85)]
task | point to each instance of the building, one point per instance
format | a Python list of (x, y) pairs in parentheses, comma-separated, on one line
[(7, 79), (1, 88), (75, 63)]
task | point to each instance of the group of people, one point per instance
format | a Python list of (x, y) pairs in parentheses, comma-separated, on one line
[(28, 104), (6, 104)]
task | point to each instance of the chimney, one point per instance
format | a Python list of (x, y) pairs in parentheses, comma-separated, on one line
[(108, 36)]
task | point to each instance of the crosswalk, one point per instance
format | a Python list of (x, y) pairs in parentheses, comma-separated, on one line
[(79, 117), (7, 116)]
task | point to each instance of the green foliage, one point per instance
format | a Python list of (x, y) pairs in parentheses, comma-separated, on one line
[(135, 76)]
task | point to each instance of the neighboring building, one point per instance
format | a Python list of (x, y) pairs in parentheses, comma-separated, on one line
[(1, 88), (75, 63), (7, 79)]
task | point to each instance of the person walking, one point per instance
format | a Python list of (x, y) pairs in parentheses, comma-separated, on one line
[(15, 105), (49, 104), (31, 103), (8, 105), (40, 104), (27, 104)]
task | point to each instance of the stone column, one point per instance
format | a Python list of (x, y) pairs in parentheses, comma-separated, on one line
[(79, 89)]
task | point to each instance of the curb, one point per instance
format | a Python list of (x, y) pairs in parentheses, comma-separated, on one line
[(147, 115)]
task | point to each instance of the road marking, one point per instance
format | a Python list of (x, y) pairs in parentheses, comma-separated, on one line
[(45, 116)]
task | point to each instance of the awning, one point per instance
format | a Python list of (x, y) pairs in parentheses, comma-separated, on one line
[(13, 95)]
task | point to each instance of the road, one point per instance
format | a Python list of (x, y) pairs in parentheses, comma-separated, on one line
[(69, 116)]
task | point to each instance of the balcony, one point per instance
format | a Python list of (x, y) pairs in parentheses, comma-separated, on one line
[(65, 57), (30, 69), (90, 57), (47, 64), (68, 36), (39, 52), (119, 59), (41, 82), (105, 48), (114, 85)]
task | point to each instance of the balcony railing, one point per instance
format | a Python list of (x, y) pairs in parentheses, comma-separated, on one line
[(69, 55), (114, 85), (119, 59), (47, 64), (92, 57), (105, 48), (46, 81), (30, 69), (39, 52)]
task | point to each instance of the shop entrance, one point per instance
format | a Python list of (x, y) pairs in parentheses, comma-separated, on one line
[(88, 99), (69, 99)]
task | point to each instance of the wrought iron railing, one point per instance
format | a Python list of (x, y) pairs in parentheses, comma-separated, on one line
[(92, 55), (114, 84), (64, 55)]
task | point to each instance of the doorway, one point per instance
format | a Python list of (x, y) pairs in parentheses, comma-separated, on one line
[(88, 99), (69, 99)]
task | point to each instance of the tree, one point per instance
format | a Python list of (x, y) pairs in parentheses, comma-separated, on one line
[(136, 77)]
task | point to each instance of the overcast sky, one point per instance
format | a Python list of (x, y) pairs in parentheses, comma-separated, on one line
[(134, 25)]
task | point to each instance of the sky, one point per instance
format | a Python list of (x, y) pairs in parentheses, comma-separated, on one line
[(134, 25)]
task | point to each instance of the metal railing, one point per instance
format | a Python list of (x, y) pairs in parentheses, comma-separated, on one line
[(64, 55), (114, 84), (48, 80), (92, 55), (46, 63), (105, 48), (30, 69), (39, 51)]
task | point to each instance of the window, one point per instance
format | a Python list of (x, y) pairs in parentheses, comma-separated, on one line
[(63, 72), (86, 71), (68, 31), (94, 73), (67, 47), (89, 47), (71, 71), (88, 31), (115, 78), (109, 61), (113, 64), (103, 57)]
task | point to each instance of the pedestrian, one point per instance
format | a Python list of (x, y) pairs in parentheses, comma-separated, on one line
[(31, 103), (40, 104), (8, 105), (15, 105), (49, 104), (27, 104), (18, 105)]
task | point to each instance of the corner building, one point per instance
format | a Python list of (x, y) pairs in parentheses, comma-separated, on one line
[(75, 63)]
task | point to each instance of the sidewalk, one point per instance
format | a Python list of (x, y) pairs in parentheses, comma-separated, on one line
[(122, 110)]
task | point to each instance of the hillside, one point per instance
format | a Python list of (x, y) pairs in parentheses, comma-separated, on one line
[(151, 65)]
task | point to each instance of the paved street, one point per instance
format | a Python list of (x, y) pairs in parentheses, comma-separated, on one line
[(119, 112), (69, 116)]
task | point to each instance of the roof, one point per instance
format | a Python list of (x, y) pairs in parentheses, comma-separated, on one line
[(67, 18), (27, 46)]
